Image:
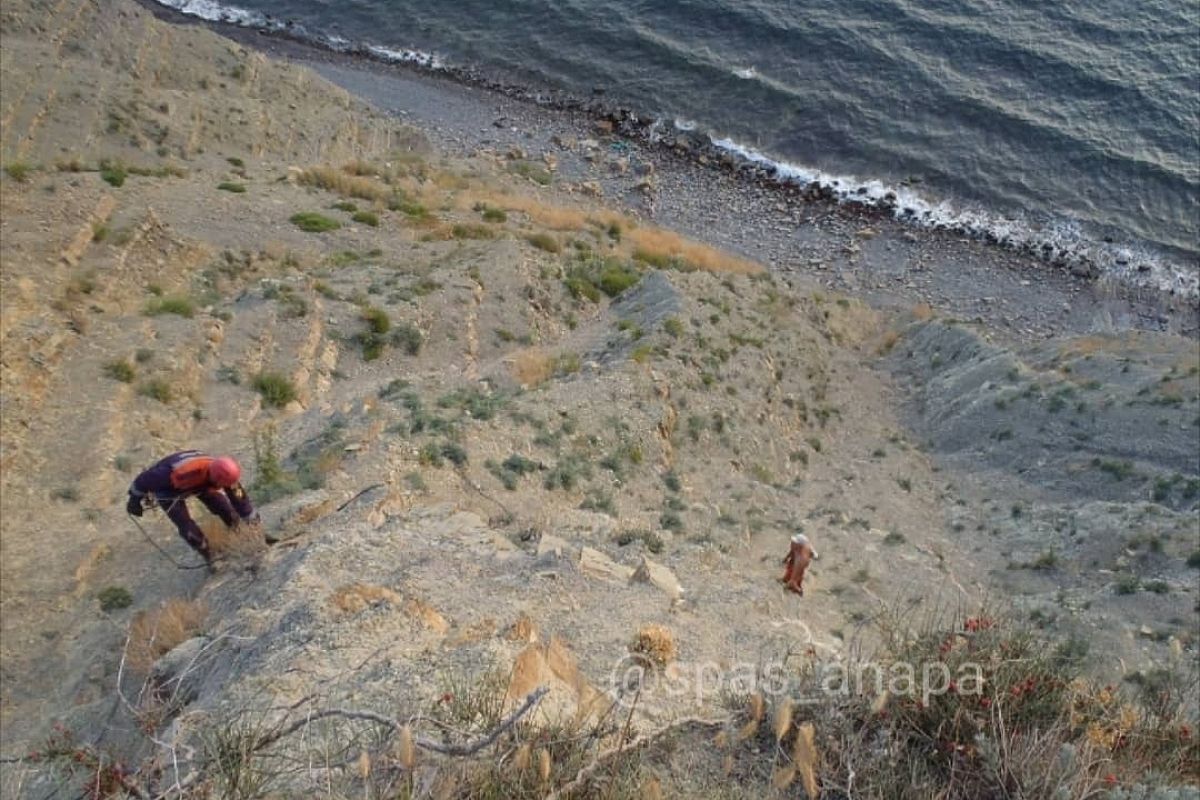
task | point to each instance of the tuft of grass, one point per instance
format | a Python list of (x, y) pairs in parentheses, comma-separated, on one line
[(510, 471), (649, 539), (346, 183), (544, 241), (114, 598), (154, 633), (1127, 584), (120, 370), (494, 215), (534, 172), (18, 171), (180, 306), (277, 390), (157, 389), (312, 222), (408, 337), (471, 230), (113, 173), (230, 186), (366, 218)]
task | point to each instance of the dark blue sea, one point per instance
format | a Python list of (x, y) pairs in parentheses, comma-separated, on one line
[(1076, 121)]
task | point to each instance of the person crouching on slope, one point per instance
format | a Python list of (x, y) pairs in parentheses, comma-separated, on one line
[(190, 473)]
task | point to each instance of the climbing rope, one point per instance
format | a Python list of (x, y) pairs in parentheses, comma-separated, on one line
[(158, 547)]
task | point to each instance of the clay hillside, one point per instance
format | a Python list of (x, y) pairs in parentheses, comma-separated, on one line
[(509, 449)]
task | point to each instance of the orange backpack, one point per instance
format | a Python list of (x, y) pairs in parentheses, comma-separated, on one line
[(191, 473)]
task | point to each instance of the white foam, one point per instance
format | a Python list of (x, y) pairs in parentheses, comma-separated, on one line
[(684, 125), (746, 73), (1136, 265), (216, 12), (219, 12)]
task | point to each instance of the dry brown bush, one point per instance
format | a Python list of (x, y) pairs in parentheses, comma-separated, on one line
[(223, 541), (668, 245), (655, 643), (531, 367), (156, 631), (341, 182)]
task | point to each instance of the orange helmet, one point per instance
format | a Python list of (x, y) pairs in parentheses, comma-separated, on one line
[(224, 472)]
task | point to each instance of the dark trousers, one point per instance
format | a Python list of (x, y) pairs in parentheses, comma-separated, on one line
[(176, 507)]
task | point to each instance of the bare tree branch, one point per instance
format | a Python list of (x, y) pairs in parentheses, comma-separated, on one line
[(531, 700)]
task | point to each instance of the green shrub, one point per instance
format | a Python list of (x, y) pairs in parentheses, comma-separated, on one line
[(113, 173), (673, 327), (236, 162), (649, 539), (567, 473), (277, 390), (408, 338), (534, 172), (312, 222), (345, 205), (157, 389), (114, 598), (180, 306), (120, 370), (512, 469), (615, 277), (494, 215), (18, 171), (581, 287), (229, 186), (472, 231), (435, 454), (366, 218)]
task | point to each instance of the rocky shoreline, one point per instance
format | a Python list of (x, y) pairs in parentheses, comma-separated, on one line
[(682, 181)]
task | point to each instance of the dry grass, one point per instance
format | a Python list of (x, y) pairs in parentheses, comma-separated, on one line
[(346, 184), (923, 311), (656, 244), (358, 596), (223, 541), (558, 218), (156, 631), (655, 643), (531, 367)]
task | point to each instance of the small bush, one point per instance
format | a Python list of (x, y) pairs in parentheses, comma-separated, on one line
[(544, 241), (113, 173), (1127, 584), (180, 306), (366, 218), (156, 632), (157, 389), (312, 222), (494, 215), (277, 390), (236, 162), (229, 186), (114, 598), (649, 539), (435, 454), (18, 171), (408, 337), (616, 277), (472, 231), (120, 370)]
